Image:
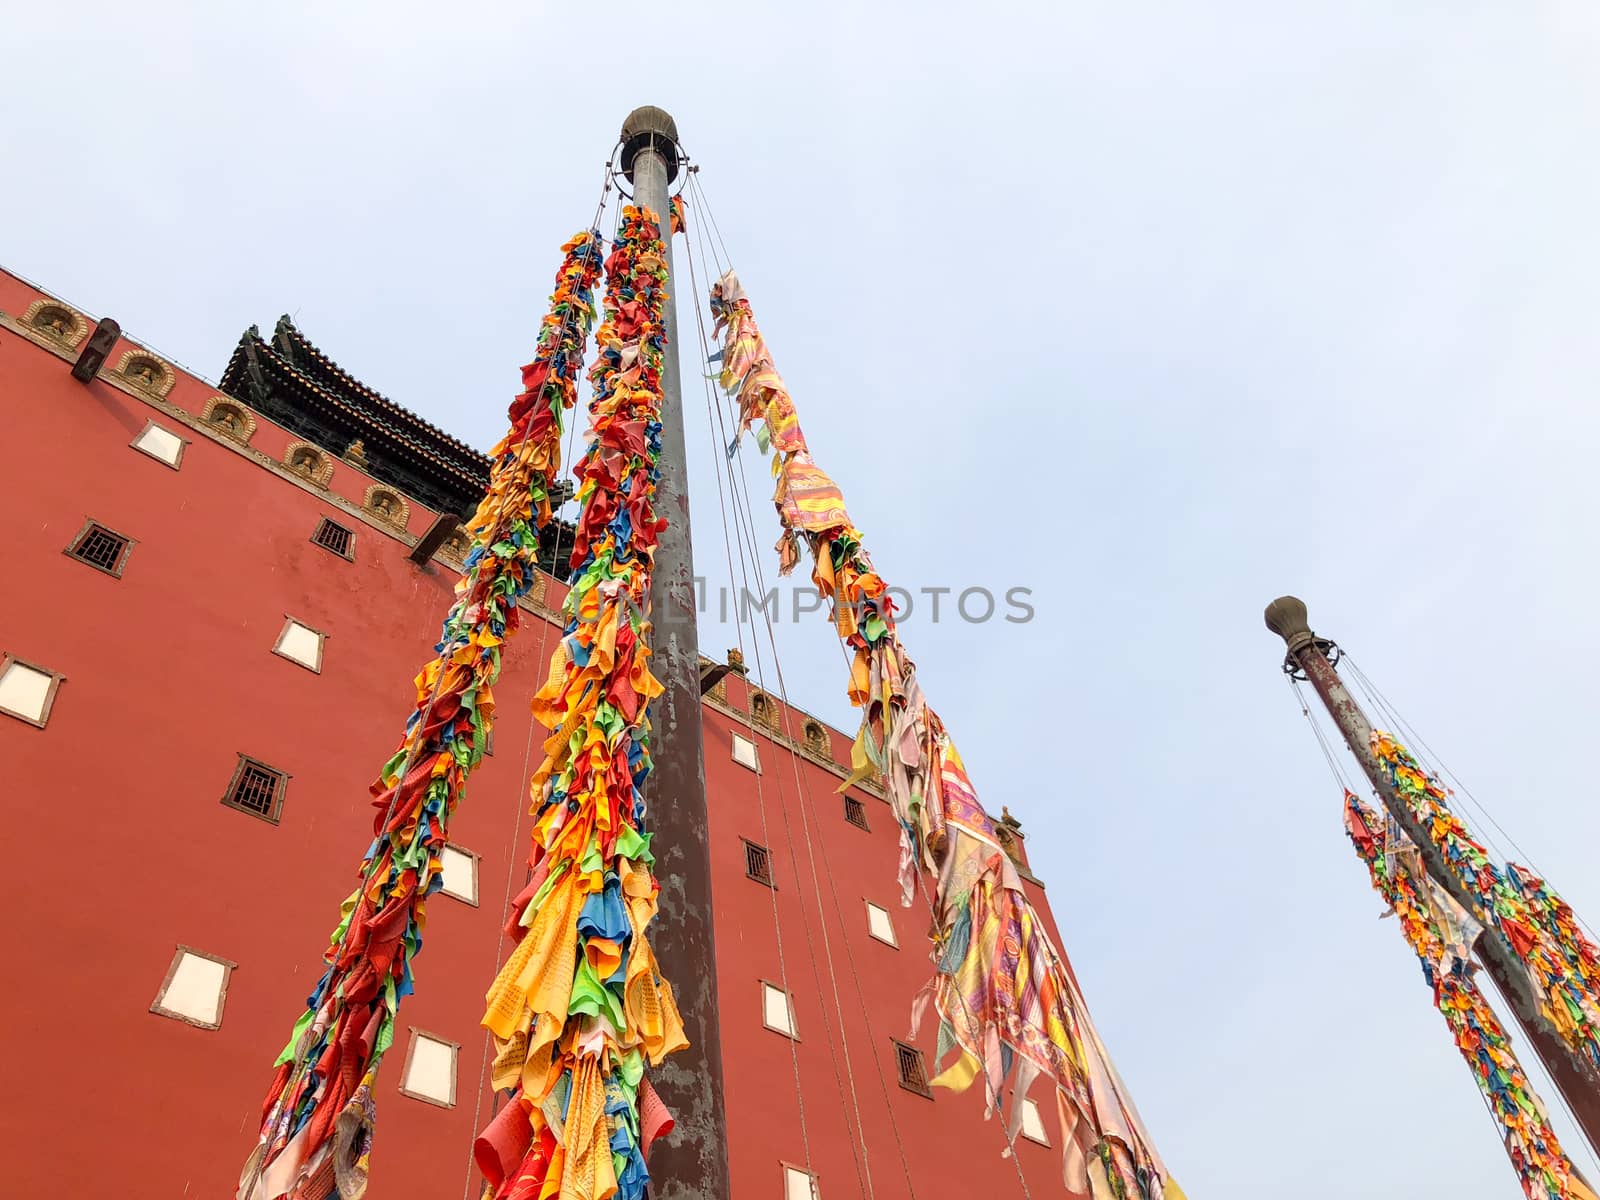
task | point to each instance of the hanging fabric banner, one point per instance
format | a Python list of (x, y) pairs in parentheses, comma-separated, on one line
[(580, 1008), (1563, 966), (1442, 934), (1002, 991), (317, 1125)]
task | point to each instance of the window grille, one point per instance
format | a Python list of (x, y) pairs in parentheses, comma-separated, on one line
[(257, 789), (334, 537), (913, 1075), (758, 863), (855, 812), (100, 548)]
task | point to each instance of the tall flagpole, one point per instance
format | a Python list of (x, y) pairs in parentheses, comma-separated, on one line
[(694, 1161), (1573, 1074)]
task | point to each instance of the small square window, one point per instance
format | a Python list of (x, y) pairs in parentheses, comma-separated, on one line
[(300, 644), (798, 1184), (330, 535), (460, 869), (744, 753), (257, 789), (758, 863), (856, 813), (913, 1074), (777, 1010), (1032, 1122), (195, 988), (27, 692), (879, 924), (160, 444), (430, 1071), (101, 548)]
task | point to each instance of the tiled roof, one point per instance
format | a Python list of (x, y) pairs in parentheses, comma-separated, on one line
[(313, 362), (401, 449)]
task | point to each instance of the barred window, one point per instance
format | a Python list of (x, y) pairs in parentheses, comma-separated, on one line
[(913, 1075), (101, 548), (758, 863), (856, 813), (257, 789), (335, 537)]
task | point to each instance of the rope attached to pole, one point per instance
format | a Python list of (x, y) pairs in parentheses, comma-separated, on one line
[(1442, 935), (1002, 991)]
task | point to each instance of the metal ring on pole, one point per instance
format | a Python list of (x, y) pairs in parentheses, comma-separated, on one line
[(1327, 647), (679, 159)]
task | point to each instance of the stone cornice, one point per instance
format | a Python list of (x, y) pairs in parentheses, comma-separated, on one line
[(531, 602)]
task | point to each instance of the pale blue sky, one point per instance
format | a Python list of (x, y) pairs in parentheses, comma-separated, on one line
[(1157, 309)]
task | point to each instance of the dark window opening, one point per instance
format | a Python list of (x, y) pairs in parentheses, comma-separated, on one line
[(257, 789), (758, 863), (100, 548), (913, 1075), (855, 812), (334, 537)]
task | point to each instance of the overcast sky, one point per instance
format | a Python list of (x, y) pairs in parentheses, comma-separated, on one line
[(1159, 310)]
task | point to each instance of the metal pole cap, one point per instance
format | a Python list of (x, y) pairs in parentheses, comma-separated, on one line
[(1286, 617), (650, 128)]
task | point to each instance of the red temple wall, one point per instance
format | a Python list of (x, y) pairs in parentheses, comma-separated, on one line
[(123, 851)]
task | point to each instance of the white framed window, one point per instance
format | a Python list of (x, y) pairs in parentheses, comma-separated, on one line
[(879, 924), (460, 869), (300, 643), (160, 444), (799, 1184), (1033, 1123), (430, 1070), (27, 692), (195, 988), (744, 752), (777, 1010)]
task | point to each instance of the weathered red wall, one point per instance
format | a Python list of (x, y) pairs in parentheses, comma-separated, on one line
[(875, 985), (121, 849)]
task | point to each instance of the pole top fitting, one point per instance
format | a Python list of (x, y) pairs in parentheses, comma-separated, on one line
[(1286, 617), (650, 128)]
